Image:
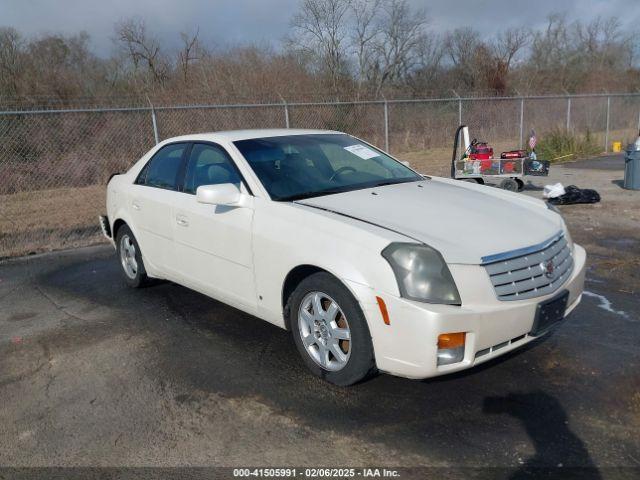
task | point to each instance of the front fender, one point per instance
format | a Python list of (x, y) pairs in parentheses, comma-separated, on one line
[(287, 236)]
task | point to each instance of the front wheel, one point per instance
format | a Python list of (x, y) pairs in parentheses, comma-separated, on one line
[(330, 331)]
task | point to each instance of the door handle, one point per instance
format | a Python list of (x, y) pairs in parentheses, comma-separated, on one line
[(135, 205), (182, 220)]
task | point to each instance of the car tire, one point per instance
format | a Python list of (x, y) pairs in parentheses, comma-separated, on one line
[(130, 258), (520, 184), (509, 184), (318, 344)]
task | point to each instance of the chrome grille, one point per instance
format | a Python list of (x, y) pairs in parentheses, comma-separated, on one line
[(530, 272)]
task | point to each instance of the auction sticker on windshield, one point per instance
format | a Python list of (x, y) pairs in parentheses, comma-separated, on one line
[(362, 151)]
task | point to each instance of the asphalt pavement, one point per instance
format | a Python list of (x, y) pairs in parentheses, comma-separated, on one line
[(95, 374), (605, 162)]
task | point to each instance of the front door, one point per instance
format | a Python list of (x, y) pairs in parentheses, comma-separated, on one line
[(213, 243)]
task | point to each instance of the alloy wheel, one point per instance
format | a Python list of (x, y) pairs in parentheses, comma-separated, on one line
[(324, 331), (128, 257)]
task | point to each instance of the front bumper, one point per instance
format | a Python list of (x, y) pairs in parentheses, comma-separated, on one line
[(408, 346)]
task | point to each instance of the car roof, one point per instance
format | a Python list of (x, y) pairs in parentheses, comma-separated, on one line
[(234, 135)]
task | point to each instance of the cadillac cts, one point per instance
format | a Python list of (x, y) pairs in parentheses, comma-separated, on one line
[(370, 265)]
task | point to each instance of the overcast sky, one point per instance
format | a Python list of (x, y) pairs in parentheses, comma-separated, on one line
[(228, 22)]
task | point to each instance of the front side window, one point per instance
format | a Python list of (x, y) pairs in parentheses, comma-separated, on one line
[(303, 166), (163, 169), (209, 165)]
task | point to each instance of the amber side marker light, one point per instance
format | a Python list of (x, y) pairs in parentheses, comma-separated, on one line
[(451, 348), (383, 311)]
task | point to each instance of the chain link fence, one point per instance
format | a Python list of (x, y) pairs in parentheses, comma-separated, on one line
[(54, 163)]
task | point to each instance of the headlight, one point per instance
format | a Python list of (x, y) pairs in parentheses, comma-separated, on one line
[(421, 273)]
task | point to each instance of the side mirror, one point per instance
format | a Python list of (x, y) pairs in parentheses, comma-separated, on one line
[(222, 194), (405, 163)]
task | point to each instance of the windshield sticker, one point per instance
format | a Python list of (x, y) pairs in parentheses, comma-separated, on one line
[(362, 151)]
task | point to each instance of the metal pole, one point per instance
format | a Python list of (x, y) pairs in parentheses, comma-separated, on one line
[(606, 135), (568, 113), (155, 126), (459, 111), (286, 110), (521, 122), (386, 125), (154, 121)]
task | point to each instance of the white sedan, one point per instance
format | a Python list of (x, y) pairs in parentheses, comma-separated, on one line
[(370, 265)]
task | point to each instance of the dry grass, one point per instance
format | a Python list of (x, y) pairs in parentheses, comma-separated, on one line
[(50, 219)]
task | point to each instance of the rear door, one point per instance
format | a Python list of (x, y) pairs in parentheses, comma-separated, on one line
[(156, 190), (213, 243)]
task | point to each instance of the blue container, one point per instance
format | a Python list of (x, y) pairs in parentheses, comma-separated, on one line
[(632, 168)]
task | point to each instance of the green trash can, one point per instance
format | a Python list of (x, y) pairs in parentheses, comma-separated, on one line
[(632, 168)]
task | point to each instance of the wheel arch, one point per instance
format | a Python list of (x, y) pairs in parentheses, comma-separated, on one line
[(119, 222), (293, 279)]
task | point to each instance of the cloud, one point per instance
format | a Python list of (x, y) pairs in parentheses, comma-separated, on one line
[(226, 22)]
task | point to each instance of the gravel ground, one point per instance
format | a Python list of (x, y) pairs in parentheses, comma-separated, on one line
[(95, 374)]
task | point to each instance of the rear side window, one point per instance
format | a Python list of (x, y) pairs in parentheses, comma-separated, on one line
[(209, 165), (163, 169)]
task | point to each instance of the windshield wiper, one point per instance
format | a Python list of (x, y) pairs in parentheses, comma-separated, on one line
[(312, 193), (395, 182)]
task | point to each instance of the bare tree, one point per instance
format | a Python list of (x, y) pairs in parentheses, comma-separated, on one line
[(11, 47), (142, 48), (320, 28), (429, 53), (509, 43), (402, 31), (496, 58), (365, 31), (188, 53), (461, 48)]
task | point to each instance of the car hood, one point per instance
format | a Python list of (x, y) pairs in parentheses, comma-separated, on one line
[(464, 222)]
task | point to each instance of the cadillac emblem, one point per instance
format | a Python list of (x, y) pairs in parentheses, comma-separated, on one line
[(548, 268)]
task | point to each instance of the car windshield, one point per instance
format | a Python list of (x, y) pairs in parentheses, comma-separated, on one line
[(294, 167)]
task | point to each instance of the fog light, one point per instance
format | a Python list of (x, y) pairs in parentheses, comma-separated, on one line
[(450, 348)]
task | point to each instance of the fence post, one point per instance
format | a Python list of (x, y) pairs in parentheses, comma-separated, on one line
[(568, 113), (521, 122), (286, 114), (386, 125), (286, 110), (154, 121), (155, 126), (606, 134)]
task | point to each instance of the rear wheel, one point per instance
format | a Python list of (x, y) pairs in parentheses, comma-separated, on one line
[(330, 331), (130, 258)]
